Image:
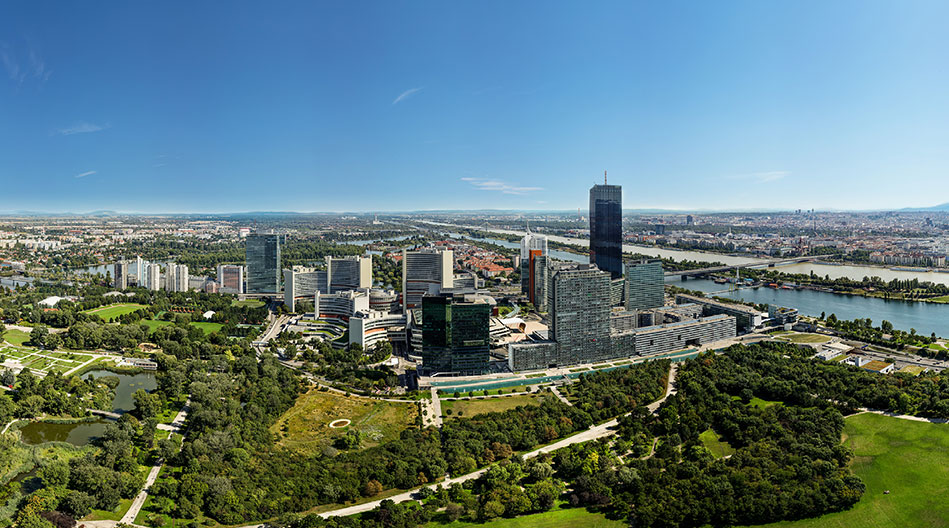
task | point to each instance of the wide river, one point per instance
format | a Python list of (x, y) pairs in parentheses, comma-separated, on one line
[(924, 317), (835, 272)]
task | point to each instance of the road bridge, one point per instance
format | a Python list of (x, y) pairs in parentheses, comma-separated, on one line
[(754, 264)]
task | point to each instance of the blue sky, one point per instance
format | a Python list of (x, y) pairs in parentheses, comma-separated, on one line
[(362, 106)]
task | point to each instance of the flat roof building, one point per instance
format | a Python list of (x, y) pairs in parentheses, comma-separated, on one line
[(606, 228), (425, 271), (263, 263)]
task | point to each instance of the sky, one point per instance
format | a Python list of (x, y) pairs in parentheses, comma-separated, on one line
[(182, 106)]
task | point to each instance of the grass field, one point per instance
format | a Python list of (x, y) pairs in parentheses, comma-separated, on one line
[(908, 458), (469, 408), (249, 303), (804, 338), (305, 427), (108, 313), (16, 337), (714, 443), (556, 518), (155, 325)]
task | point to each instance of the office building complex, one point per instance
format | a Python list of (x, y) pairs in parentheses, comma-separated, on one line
[(301, 282), (748, 318), (120, 275), (425, 272), (645, 285), (533, 247), (231, 278), (538, 281), (348, 273), (153, 277), (606, 228), (580, 307), (263, 263), (455, 335), (584, 329)]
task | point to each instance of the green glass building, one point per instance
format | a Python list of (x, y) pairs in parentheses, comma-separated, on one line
[(455, 335)]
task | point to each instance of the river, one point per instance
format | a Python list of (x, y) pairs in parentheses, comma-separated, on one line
[(926, 318), (821, 269), (81, 433)]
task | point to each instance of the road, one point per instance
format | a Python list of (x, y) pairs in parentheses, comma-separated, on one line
[(593, 433)]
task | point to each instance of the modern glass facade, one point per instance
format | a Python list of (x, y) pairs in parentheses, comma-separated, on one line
[(455, 335), (606, 228), (645, 285), (580, 307), (263, 263)]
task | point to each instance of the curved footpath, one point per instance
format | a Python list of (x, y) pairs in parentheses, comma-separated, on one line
[(593, 433)]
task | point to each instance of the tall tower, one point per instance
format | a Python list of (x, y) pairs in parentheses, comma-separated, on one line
[(606, 228), (263, 263)]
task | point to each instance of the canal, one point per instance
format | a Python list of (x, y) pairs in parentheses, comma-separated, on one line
[(924, 317)]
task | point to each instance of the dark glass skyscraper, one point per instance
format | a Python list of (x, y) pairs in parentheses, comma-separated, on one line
[(455, 335), (606, 228), (263, 263)]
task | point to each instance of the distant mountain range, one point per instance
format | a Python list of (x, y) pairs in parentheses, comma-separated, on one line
[(935, 208)]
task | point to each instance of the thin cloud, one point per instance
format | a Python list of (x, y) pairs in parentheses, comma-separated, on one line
[(486, 184), (84, 174), (406, 94), (18, 73), (81, 128)]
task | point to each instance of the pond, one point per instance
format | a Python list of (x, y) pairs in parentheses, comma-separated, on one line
[(81, 433)]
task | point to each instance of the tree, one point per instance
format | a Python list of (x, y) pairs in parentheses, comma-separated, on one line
[(146, 405), (38, 336)]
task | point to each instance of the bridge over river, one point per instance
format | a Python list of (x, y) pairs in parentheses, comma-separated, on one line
[(722, 269)]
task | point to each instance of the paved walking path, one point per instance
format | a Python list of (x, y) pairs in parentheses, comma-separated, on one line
[(561, 397), (903, 416), (436, 408), (593, 433)]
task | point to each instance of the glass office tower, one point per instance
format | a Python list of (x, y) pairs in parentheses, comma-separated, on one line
[(606, 228), (455, 335), (645, 285), (263, 263)]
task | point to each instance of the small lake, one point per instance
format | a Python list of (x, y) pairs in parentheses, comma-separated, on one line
[(81, 433)]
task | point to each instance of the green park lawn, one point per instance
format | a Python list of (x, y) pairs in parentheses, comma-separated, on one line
[(804, 338), (305, 426), (556, 518), (16, 337), (248, 303), (469, 408), (108, 313), (208, 328), (714, 443), (906, 457)]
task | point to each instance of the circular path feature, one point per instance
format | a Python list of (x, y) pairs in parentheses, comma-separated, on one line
[(338, 424)]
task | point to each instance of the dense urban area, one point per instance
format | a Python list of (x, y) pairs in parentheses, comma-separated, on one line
[(607, 368)]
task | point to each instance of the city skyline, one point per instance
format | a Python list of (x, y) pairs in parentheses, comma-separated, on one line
[(446, 107)]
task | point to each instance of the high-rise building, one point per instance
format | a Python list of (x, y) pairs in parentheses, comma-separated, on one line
[(531, 246), (578, 300), (263, 263), (455, 335), (645, 285), (139, 272), (538, 281), (120, 275), (606, 228), (182, 278), (300, 282), (152, 277), (231, 278), (348, 273), (425, 272), (170, 272)]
